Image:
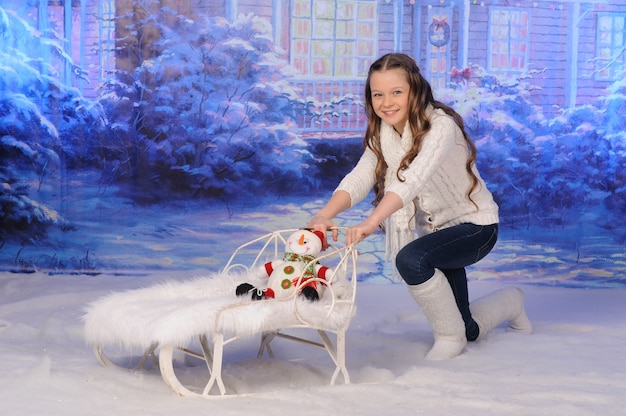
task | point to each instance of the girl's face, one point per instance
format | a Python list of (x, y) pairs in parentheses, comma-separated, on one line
[(390, 97)]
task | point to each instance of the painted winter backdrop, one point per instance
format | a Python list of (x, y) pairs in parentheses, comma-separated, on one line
[(193, 150)]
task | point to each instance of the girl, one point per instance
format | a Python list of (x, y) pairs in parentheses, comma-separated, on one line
[(420, 162)]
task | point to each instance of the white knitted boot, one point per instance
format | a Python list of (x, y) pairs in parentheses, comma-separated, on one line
[(436, 300), (502, 305)]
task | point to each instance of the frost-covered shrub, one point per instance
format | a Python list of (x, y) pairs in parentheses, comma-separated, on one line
[(44, 125), (208, 111), (593, 140), (546, 172), (503, 122)]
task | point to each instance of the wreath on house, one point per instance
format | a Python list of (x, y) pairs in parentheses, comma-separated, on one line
[(439, 32)]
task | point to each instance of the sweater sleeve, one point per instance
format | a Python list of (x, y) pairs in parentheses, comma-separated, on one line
[(360, 181), (438, 146)]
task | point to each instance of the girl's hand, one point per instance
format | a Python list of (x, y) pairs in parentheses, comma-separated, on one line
[(323, 224), (358, 233)]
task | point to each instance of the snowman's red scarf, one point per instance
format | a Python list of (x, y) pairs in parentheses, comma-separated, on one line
[(304, 258)]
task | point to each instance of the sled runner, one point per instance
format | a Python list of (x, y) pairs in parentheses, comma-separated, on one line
[(200, 317)]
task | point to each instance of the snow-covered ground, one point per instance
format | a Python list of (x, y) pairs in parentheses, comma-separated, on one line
[(572, 365)]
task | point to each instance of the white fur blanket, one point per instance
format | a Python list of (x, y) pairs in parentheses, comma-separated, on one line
[(177, 312)]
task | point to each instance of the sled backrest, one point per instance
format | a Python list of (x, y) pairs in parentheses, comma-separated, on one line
[(256, 252), (340, 285)]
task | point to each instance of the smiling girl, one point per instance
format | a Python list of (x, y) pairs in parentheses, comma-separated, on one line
[(437, 213)]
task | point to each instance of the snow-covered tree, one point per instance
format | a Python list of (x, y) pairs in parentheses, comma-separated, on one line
[(44, 125), (208, 110), (543, 171)]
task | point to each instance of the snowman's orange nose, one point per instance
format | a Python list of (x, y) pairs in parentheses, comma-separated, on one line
[(301, 240)]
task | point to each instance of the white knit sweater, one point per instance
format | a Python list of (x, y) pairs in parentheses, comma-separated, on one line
[(436, 183)]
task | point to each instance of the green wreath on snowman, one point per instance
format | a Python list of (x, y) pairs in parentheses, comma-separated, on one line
[(297, 268)]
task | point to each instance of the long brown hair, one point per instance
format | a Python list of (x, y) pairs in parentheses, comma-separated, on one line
[(420, 96)]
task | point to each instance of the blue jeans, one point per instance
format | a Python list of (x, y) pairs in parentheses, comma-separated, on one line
[(450, 250)]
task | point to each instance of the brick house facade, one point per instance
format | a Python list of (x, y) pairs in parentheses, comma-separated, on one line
[(575, 47)]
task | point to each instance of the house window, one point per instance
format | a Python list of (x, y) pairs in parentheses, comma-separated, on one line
[(106, 46), (611, 42), (508, 39), (333, 37)]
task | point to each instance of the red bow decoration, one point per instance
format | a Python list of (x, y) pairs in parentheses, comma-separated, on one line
[(439, 23), (461, 76)]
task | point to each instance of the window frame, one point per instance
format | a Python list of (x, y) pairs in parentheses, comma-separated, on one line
[(319, 48), (522, 39), (106, 44), (610, 63)]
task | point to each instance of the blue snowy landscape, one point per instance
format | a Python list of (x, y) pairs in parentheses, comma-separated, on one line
[(152, 172)]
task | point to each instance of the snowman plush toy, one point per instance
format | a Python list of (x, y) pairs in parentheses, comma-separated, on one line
[(301, 249)]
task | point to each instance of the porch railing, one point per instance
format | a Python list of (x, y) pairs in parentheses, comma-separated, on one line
[(337, 106)]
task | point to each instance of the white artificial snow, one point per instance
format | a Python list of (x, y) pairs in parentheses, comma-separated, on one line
[(572, 365)]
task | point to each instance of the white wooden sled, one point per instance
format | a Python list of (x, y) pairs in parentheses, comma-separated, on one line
[(199, 317)]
